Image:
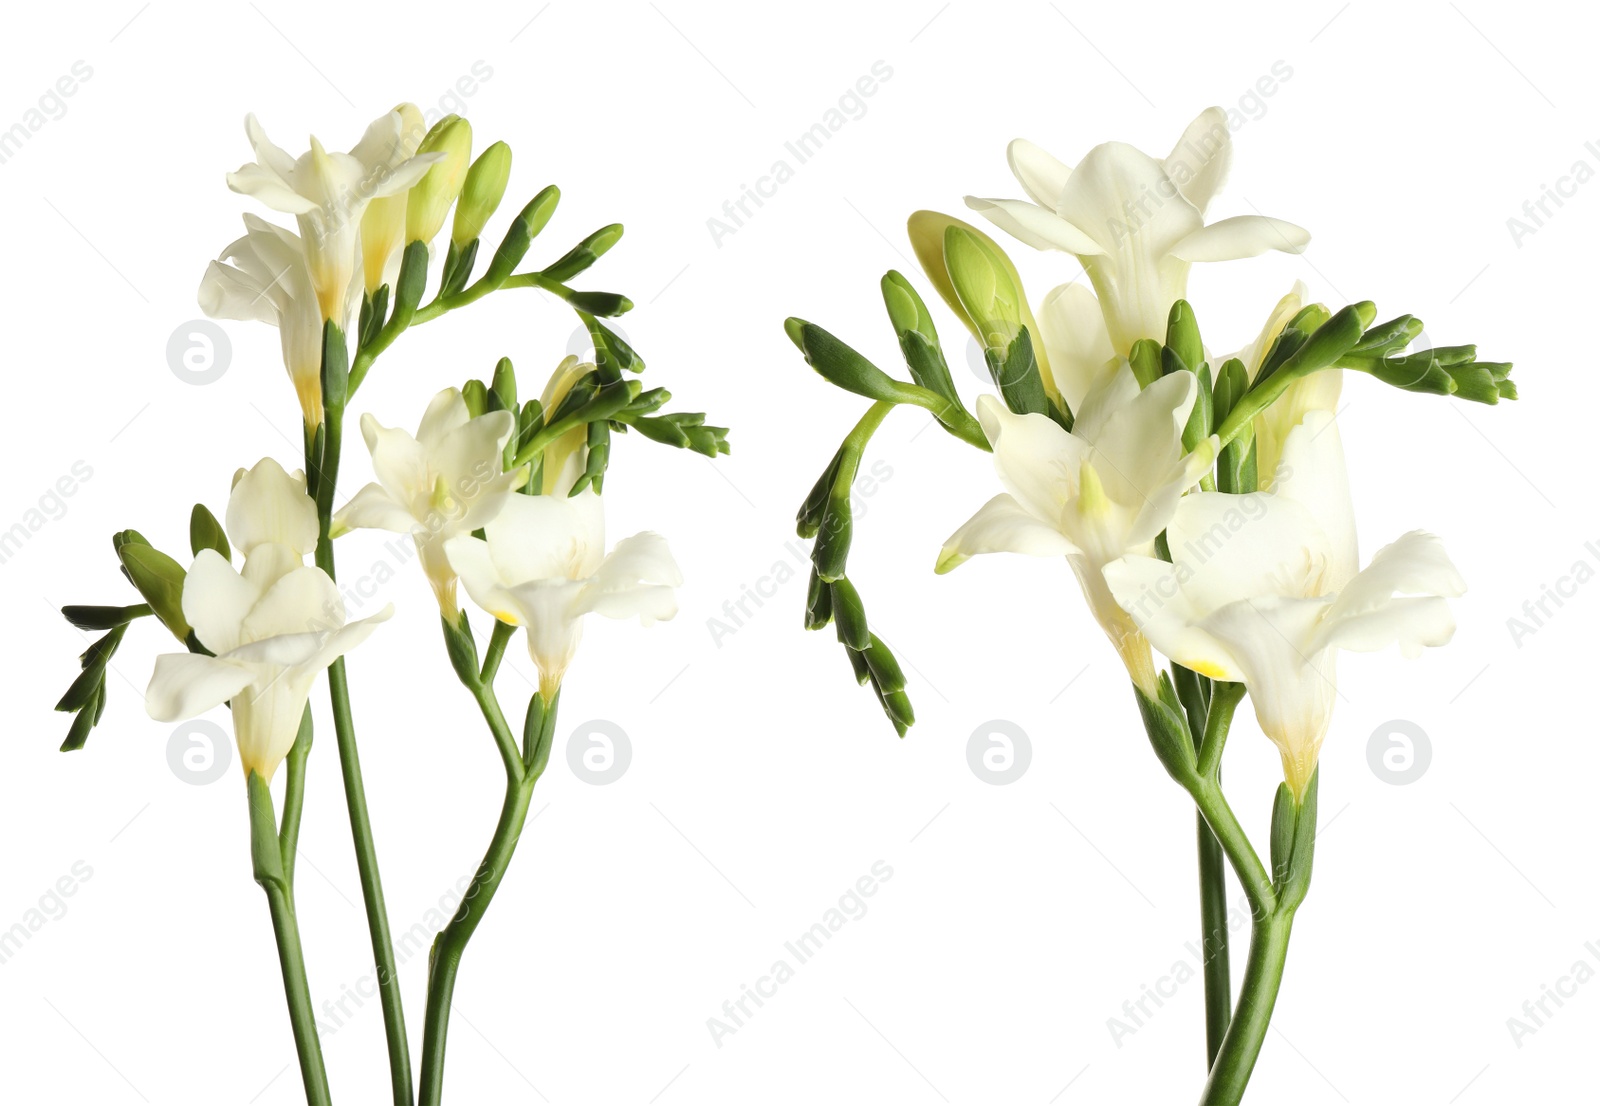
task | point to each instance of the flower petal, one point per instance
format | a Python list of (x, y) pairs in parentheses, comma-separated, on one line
[(186, 684), (1041, 229), (1199, 163), (216, 600), (539, 537), (1002, 526), (1037, 461), (1041, 175), (270, 505), (1076, 341), (1150, 591), (373, 508), (1241, 236), (637, 578)]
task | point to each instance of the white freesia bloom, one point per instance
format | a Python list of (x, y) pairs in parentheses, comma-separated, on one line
[(328, 193), (1136, 222), (273, 627), (445, 481), (269, 281), (1264, 589), (544, 567), (1104, 490)]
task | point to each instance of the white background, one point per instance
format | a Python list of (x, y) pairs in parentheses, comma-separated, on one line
[(764, 783)]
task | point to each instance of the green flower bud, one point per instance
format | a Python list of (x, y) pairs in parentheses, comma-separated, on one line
[(481, 194), (430, 198)]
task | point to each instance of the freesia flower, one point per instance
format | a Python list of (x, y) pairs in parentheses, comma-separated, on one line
[(445, 481), (544, 566), (1103, 490), (563, 458), (383, 225), (1136, 222), (1319, 391), (1265, 589), (270, 282), (329, 192), (272, 627)]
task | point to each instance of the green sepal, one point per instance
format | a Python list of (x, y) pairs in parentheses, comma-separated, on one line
[(538, 734), (606, 304), (503, 387), (159, 579), (374, 311), (1194, 692), (409, 285), (584, 254), (1231, 384), (1017, 376), (475, 394), (1236, 466), (1183, 336), (462, 648), (1168, 732), (597, 458), (1200, 423), (886, 673), (849, 616), (266, 857), (205, 532), (819, 601), (335, 368), (840, 365), (86, 617), (1145, 360), (1294, 834), (809, 517), (832, 547), (520, 235), (1284, 810)]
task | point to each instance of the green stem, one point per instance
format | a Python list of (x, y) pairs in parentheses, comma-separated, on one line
[(498, 640), (269, 874), (1263, 973), (445, 960), (1215, 965), (1235, 845), (394, 1022), (294, 797)]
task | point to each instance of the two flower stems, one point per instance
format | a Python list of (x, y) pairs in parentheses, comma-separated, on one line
[(267, 861), (1234, 1038), (523, 769)]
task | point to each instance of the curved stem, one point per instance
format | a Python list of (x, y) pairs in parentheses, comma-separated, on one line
[(1269, 948), (1236, 846), (445, 959), (268, 873)]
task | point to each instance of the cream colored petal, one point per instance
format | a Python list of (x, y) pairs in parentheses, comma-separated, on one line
[(1002, 526), (373, 508), (187, 684), (1041, 175), (216, 600), (1036, 460), (1036, 227), (270, 505), (1241, 236), (1199, 163), (1077, 342)]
